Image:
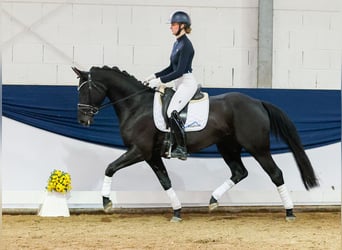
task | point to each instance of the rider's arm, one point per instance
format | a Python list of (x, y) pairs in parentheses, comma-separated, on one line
[(165, 71)]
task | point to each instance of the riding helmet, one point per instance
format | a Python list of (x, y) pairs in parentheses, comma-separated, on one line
[(180, 17)]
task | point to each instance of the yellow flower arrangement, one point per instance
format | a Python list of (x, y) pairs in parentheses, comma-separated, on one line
[(59, 181)]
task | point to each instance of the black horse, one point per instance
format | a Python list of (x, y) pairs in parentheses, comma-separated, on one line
[(235, 122)]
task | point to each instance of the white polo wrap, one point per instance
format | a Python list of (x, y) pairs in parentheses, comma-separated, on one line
[(106, 186), (285, 197), (174, 199), (217, 194)]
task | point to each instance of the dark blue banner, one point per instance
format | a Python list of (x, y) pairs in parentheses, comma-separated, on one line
[(316, 114)]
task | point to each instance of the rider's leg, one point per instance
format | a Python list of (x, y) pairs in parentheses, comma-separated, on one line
[(177, 129), (186, 87)]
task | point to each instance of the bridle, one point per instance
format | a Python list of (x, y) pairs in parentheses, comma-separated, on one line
[(88, 109), (91, 110)]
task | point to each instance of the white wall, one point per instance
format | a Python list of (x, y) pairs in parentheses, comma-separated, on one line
[(43, 39), (307, 44), (30, 154)]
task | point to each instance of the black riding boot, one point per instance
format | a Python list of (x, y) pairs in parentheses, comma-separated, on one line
[(177, 130)]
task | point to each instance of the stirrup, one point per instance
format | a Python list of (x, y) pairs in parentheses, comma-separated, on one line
[(180, 153)]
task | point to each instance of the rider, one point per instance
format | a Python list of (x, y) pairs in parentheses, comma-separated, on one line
[(179, 71)]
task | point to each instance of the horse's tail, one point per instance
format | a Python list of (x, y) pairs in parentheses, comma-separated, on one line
[(282, 127)]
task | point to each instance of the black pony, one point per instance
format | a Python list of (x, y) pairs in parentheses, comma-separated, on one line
[(235, 121)]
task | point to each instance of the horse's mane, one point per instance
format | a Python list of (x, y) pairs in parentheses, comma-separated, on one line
[(117, 70)]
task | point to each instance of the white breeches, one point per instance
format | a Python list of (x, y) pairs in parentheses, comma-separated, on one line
[(186, 87)]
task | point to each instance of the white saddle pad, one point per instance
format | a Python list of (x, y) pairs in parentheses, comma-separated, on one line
[(197, 116)]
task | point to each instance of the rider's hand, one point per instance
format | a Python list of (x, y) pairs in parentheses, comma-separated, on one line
[(148, 79), (154, 83)]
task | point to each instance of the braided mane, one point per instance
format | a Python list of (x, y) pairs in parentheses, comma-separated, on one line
[(117, 70)]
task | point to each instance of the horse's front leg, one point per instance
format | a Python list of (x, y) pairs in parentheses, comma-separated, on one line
[(133, 155), (159, 169)]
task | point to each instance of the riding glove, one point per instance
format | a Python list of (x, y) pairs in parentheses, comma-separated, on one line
[(154, 83), (148, 79)]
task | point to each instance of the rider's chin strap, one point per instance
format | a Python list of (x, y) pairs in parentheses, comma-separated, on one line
[(179, 29)]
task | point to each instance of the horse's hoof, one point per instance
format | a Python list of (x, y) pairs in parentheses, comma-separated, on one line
[(213, 206), (176, 219), (289, 215), (107, 204), (290, 218), (108, 207)]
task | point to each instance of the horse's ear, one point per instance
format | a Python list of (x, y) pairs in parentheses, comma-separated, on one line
[(78, 72)]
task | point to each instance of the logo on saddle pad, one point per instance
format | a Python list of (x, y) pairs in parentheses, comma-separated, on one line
[(195, 114)]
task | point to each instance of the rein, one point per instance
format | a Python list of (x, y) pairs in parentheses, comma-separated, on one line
[(94, 110), (122, 99)]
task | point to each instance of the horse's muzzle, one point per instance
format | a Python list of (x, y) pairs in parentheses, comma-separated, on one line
[(86, 114), (85, 120)]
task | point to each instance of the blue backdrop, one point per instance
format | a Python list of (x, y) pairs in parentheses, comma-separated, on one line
[(316, 114)]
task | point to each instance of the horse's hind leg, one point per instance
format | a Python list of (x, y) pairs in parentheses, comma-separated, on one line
[(159, 169), (231, 153), (276, 175)]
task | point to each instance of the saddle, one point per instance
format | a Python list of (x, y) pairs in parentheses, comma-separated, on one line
[(195, 113), (166, 96)]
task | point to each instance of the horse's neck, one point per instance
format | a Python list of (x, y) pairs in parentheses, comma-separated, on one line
[(125, 96), (122, 89)]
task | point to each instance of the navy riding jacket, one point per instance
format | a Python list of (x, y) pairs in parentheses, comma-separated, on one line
[(180, 60)]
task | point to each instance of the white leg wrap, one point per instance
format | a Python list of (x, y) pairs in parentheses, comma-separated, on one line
[(285, 197), (106, 186), (174, 199), (217, 194)]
